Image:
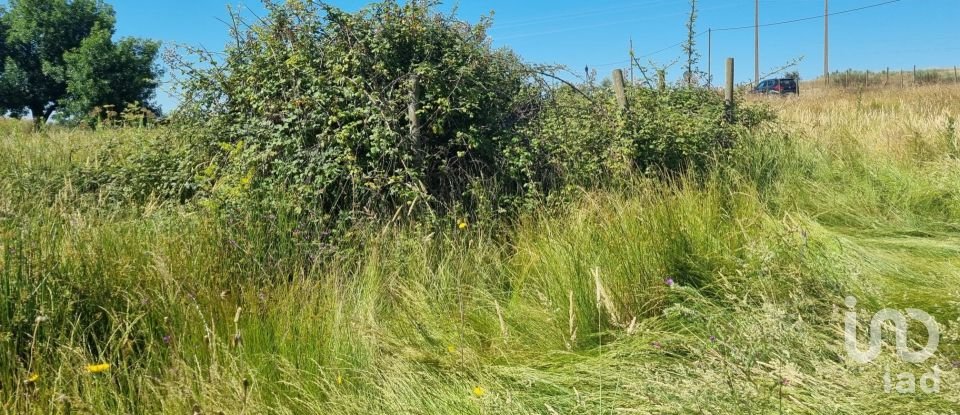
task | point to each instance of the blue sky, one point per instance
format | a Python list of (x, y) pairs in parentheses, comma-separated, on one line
[(597, 33)]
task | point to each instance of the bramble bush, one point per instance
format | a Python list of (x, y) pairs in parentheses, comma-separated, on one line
[(313, 101), (310, 102), (584, 135)]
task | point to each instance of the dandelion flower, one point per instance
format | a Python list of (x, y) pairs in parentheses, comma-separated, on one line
[(479, 391), (462, 224), (32, 378), (102, 367), (452, 349), (339, 379)]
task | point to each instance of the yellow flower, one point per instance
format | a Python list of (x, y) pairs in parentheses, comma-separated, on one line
[(452, 349), (462, 224), (339, 380), (32, 378), (98, 368), (479, 391)]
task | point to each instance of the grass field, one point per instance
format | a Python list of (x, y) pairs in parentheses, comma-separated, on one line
[(721, 293)]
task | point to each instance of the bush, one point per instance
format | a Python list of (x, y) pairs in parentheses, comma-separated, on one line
[(308, 112), (584, 135), (313, 101)]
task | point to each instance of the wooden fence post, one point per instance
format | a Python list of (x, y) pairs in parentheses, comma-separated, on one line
[(413, 106), (915, 83), (618, 88), (728, 92)]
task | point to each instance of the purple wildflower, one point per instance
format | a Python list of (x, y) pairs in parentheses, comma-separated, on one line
[(669, 282), (167, 339), (713, 339)]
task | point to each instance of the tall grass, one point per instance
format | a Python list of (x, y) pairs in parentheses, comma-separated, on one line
[(720, 293)]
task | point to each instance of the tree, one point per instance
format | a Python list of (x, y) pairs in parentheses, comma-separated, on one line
[(4, 94), (101, 72), (39, 35)]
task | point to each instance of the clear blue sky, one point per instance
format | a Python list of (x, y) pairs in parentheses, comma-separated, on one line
[(925, 33)]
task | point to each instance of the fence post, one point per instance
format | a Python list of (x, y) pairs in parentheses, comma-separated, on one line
[(886, 76), (413, 106), (956, 79), (915, 83), (618, 82), (728, 92), (661, 79)]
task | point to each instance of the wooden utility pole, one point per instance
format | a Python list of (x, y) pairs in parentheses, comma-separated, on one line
[(710, 57), (756, 42), (632, 57), (728, 91), (618, 88), (826, 41)]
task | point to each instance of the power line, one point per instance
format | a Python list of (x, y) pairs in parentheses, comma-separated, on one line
[(508, 24), (652, 53), (753, 26), (569, 28), (820, 16)]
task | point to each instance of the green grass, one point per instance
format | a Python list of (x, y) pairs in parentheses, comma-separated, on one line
[(562, 312)]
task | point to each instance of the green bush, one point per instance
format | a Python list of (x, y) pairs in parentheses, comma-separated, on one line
[(313, 101), (584, 135), (307, 111)]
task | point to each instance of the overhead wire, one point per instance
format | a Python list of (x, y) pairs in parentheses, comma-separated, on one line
[(722, 29)]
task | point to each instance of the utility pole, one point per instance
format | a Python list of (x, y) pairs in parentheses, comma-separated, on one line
[(618, 87), (826, 41), (756, 42), (728, 92), (631, 60), (710, 57)]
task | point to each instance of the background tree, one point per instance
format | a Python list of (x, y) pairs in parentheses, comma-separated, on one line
[(4, 95), (38, 36), (101, 72)]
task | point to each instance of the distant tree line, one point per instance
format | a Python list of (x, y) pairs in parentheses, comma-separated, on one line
[(59, 57)]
